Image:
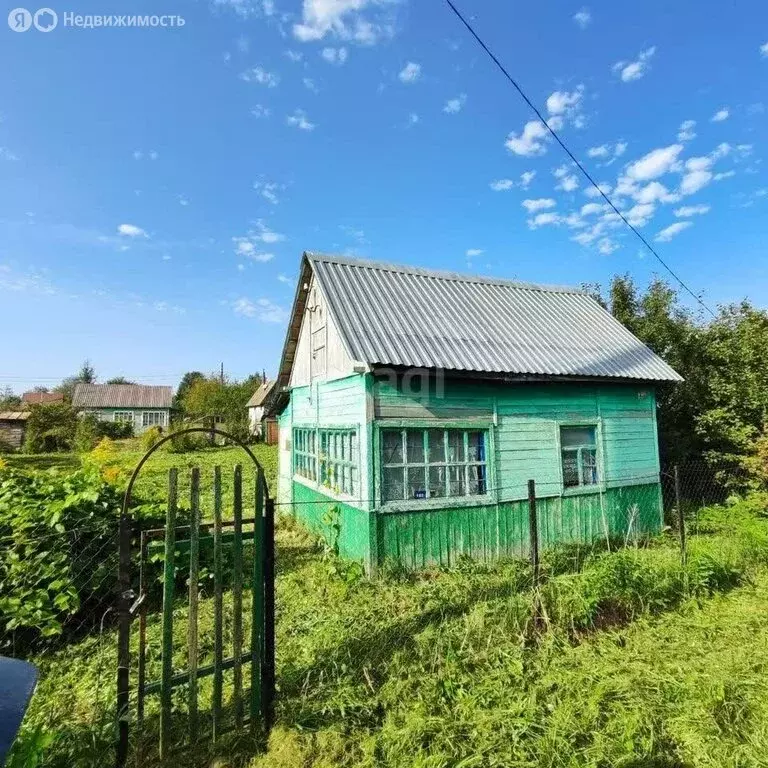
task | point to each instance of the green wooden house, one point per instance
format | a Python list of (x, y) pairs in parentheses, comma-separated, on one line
[(415, 405)]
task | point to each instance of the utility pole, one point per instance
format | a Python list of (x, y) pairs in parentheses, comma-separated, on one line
[(222, 373)]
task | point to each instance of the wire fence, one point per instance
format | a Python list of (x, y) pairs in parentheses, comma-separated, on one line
[(58, 588)]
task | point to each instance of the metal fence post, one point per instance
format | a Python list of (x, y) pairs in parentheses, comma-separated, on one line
[(268, 670), (533, 527), (680, 519), (124, 599)]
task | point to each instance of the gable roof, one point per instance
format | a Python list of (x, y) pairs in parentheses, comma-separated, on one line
[(258, 397), (14, 415), (121, 396), (42, 398), (394, 315)]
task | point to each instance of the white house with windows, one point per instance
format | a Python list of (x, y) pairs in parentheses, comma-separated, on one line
[(142, 405)]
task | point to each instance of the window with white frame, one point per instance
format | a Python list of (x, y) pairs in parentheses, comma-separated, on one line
[(124, 416), (305, 453), (338, 460), (153, 419), (433, 463), (578, 450)]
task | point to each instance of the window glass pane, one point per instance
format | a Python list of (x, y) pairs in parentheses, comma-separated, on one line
[(589, 466), (476, 480), (436, 439), (456, 480), (455, 445), (437, 486), (415, 446), (476, 442), (416, 486), (392, 446), (392, 484), (575, 436), (570, 468)]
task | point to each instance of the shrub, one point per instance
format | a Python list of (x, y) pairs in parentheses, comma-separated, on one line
[(50, 428), (86, 433), (151, 438), (116, 430)]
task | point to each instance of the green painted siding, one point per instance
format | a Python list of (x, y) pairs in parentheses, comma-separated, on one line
[(523, 421), (486, 533), (316, 509)]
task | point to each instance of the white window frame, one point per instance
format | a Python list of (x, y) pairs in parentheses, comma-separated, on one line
[(145, 423), (123, 417), (581, 486)]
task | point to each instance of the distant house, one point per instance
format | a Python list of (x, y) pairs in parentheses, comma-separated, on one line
[(142, 405), (41, 398), (13, 425), (415, 405), (261, 427)]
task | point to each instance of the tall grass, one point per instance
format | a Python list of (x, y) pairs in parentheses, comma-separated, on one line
[(621, 658)]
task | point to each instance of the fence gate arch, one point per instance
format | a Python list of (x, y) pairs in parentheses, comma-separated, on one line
[(251, 653)]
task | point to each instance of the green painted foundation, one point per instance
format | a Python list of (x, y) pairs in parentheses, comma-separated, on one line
[(484, 533)]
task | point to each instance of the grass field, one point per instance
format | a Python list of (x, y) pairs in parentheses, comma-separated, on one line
[(622, 658)]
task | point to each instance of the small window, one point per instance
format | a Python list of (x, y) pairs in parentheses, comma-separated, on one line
[(304, 453), (578, 447), (432, 463), (124, 416), (153, 419), (338, 460)]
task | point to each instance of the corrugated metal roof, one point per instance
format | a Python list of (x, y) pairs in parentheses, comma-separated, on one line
[(257, 398), (14, 415), (122, 396), (405, 316)]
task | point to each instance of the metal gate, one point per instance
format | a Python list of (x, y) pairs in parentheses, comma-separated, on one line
[(250, 653)]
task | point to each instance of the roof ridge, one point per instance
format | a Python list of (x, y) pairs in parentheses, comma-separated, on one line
[(438, 274)]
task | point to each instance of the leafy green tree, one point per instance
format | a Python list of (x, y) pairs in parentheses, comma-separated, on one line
[(86, 375), (50, 428), (187, 380), (119, 380), (8, 400)]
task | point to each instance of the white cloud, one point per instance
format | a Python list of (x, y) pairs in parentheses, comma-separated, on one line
[(609, 153), (452, 106), (262, 309), (669, 232), (472, 252), (589, 208), (526, 177), (563, 102), (640, 214), (686, 132), (531, 140), (268, 190), (285, 279), (691, 210), (261, 111), (413, 119), (266, 235), (6, 154), (248, 245), (540, 204), (724, 175), (334, 55), (606, 246), (601, 151), (656, 163), (543, 219), (502, 185), (310, 85), (720, 115), (294, 56), (131, 230), (591, 191), (247, 8), (694, 181), (344, 19), (764, 49), (568, 183), (584, 18), (410, 73), (299, 120), (634, 70), (654, 192), (261, 76)]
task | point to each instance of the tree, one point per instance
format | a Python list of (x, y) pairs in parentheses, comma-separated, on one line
[(187, 380), (8, 400), (119, 380), (86, 375), (50, 428)]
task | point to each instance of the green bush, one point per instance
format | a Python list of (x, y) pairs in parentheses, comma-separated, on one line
[(50, 428), (58, 549), (182, 442), (86, 433), (151, 438)]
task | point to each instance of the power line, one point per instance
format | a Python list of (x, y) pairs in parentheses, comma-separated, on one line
[(573, 158)]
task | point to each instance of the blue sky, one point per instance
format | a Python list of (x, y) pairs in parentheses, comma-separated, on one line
[(157, 186)]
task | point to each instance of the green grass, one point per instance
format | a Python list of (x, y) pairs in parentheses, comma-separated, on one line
[(41, 460), (621, 659)]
